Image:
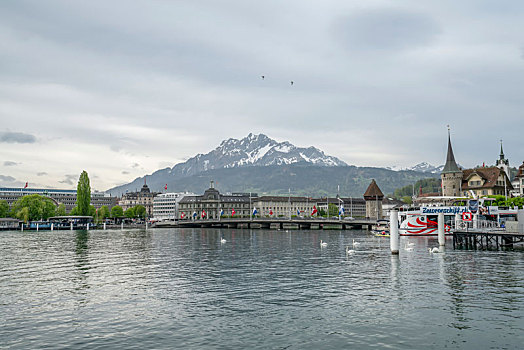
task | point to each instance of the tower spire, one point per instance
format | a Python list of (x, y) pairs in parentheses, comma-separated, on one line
[(451, 166), (501, 151)]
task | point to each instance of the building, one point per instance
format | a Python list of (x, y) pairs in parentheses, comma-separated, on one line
[(66, 197), (518, 182), (353, 207), (281, 206), (451, 175), (373, 197), (143, 197), (488, 181), (212, 203), (502, 162), (166, 205)]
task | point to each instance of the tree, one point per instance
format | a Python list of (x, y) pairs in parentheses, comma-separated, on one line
[(140, 211), (117, 211), (34, 207), (130, 213), (4, 209), (74, 211), (333, 209), (61, 210), (83, 194), (103, 212)]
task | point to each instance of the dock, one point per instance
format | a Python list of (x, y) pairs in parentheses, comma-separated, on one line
[(488, 240)]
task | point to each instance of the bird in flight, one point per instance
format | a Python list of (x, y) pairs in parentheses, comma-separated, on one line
[(292, 83), (263, 76)]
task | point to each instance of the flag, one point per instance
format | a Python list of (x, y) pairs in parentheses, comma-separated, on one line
[(194, 215), (298, 212), (221, 212), (255, 211), (26, 184), (203, 213), (341, 210), (165, 187), (314, 210), (270, 211), (183, 215), (233, 212)]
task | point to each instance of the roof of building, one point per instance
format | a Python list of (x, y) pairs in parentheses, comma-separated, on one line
[(520, 172), (451, 166), (490, 176), (373, 191)]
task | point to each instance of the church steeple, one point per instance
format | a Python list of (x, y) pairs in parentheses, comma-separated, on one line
[(451, 166), (501, 151)]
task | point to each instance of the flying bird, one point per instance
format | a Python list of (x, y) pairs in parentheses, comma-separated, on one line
[(292, 83), (263, 76)]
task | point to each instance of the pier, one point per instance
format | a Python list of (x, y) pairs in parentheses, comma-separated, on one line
[(490, 240)]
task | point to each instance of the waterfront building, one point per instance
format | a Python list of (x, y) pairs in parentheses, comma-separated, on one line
[(373, 197), (284, 206), (354, 207), (451, 175), (166, 205), (518, 182), (485, 182), (66, 197), (212, 203), (143, 197)]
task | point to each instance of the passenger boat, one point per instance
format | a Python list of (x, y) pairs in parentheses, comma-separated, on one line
[(423, 221)]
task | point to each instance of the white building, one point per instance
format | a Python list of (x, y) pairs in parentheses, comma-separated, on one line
[(166, 205)]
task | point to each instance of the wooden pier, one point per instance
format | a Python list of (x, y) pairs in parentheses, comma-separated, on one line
[(491, 240)]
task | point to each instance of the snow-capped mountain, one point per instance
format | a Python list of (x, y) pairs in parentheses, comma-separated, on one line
[(423, 167), (253, 150)]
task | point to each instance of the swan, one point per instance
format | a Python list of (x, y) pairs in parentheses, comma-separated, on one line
[(222, 240), (409, 249), (355, 244), (349, 251), (323, 244), (434, 250), (410, 244)]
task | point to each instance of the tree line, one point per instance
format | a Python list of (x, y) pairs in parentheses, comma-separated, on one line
[(37, 207)]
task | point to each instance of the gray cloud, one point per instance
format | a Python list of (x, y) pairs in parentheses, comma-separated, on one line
[(7, 178), (42, 173), (16, 137), (125, 172), (69, 179), (135, 165), (10, 163)]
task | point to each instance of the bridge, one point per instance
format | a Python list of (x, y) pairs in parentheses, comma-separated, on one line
[(277, 223)]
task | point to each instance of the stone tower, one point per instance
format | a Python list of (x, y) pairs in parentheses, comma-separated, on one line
[(502, 162), (451, 175), (373, 197)]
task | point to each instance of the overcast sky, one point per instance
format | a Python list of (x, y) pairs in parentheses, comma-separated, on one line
[(123, 88)]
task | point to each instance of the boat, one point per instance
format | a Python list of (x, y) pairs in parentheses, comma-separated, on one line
[(423, 221)]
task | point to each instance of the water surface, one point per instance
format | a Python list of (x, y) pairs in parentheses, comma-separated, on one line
[(262, 289)]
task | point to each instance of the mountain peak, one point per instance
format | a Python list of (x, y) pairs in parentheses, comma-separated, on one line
[(254, 150)]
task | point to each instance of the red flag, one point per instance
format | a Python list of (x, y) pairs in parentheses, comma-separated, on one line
[(183, 215), (26, 184), (203, 213), (233, 212), (270, 211), (165, 187), (314, 210)]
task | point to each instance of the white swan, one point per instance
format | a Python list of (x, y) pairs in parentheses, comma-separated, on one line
[(323, 244), (410, 244), (408, 249), (355, 244), (222, 240), (434, 250), (349, 251)]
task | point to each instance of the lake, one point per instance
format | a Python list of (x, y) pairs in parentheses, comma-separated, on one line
[(262, 289)]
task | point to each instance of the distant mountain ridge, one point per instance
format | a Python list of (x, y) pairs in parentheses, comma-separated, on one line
[(260, 164), (423, 167)]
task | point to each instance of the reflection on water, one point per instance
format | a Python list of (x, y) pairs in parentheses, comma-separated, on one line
[(261, 289)]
